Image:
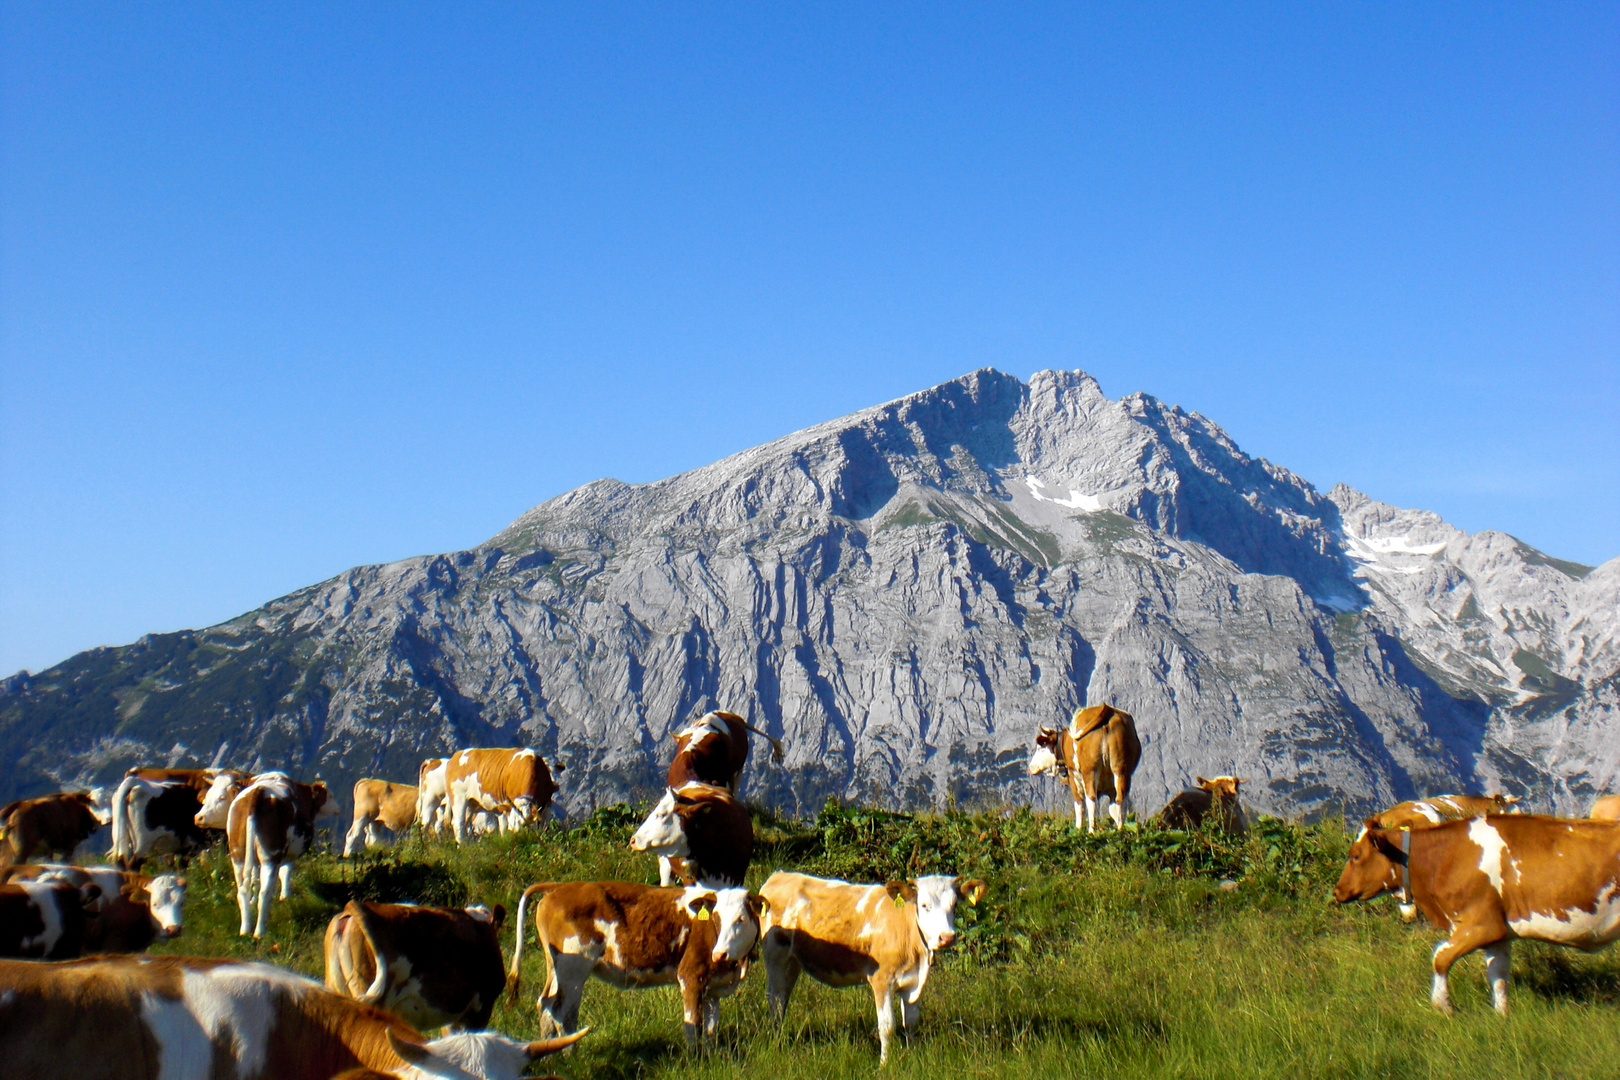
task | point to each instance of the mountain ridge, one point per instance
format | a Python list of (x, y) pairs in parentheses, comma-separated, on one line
[(903, 593)]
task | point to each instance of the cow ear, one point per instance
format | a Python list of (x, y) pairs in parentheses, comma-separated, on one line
[(973, 889), (1202, 782), (901, 891), (410, 1053), (557, 766), (544, 1047), (499, 915)]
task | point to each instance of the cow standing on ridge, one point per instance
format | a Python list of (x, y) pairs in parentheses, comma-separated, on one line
[(1097, 754)]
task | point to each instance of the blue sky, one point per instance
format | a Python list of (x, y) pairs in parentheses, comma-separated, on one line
[(286, 289)]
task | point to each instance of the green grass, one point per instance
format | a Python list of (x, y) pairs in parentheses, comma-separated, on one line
[(1115, 955)]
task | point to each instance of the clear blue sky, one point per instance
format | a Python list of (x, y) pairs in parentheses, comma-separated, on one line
[(289, 288)]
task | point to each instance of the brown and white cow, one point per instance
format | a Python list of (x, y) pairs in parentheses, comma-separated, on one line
[(634, 936), (1427, 813), (706, 828), (131, 911), (167, 1018), (271, 823), (44, 920), (432, 797), (432, 966), (486, 778), (1488, 881), (841, 934), (1605, 808), (713, 750), (216, 800), (1097, 754), (157, 810), (48, 825), (379, 802), (1189, 809)]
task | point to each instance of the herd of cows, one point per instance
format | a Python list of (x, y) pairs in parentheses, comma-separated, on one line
[(1483, 873)]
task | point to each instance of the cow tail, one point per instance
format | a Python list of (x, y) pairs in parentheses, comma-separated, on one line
[(379, 985), (123, 825), (776, 747), (516, 975)]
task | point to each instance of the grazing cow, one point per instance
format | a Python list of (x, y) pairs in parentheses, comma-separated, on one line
[(713, 750), (487, 778), (432, 797), (842, 934), (49, 825), (44, 920), (164, 1018), (431, 966), (1606, 808), (1097, 754), (1490, 880), (1427, 813), (1188, 809), (271, 823), (633, 936), (130, 911), (706, 827), (379, 802)]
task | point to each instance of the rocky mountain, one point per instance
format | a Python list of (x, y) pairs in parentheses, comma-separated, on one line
[(903, 595)]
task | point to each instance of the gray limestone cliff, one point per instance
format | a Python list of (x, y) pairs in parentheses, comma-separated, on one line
[(903, 595)]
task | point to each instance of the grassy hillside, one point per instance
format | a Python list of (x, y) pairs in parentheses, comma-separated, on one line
[(1116, 955)]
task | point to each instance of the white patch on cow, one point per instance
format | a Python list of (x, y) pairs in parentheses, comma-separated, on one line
[(661, 833), (233, 1005), (526, 752), (473, 1055), (610, 939), (463, 757), (480, 912), (936, 910), (1492, 850), (1581, 929), (1042, 760), (1430, 813), (867, 897), (184, 1049), (41, 894)]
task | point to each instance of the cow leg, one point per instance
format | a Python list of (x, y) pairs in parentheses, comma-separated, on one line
[(1121, 802), (351, 842), (458, 817), (910, 1014), (244, 892), (666, 875), (267, 882), (692, 1005), (1079, 814), (559, 1003), (1498, 962), (284, 871), (1091, 812), (711, 1017), (881, 996), (781, 970), (1460, 944)]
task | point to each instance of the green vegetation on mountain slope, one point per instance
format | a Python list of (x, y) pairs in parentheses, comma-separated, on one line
[(1114, 955)]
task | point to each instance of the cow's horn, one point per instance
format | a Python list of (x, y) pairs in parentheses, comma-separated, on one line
[(541, 1047)]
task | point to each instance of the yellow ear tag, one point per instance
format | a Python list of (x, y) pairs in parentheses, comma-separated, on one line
[(899, 901), (703, 915)]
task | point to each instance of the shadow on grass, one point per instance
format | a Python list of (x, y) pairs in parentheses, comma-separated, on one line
[(391, 881), (1569, 977)]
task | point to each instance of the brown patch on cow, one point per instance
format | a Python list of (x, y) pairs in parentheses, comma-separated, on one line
[(1605, 808), (452, 957), (48, 825)]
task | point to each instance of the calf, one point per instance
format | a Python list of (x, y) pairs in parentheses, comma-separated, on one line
[(130, 912), (48, 825), (713, 750), (166, 1018), (271, 823), (841, 934), (1097, 754), (1490, 880), (488, 778), (152, 817), (634, 936), (705, 826), (1606, 808), (431, 966), (1189, 809), (44, 920), (379, 802)]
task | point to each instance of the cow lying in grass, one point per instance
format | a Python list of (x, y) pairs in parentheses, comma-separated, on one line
[(1219, 796), (633, 936), (167, 1018), (1489, 881), (841, 934)]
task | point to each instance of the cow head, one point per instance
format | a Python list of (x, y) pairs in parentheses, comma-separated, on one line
[(1045, 758), (1506, 804), (474, 1055), (100, 804), (166, 895), (1221, 786), (935, 898), (216, 805), (321, 803), (735, 916), (1374, 866), (662, 832)]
